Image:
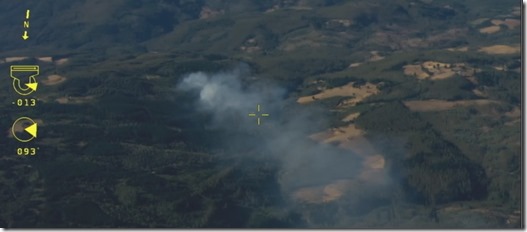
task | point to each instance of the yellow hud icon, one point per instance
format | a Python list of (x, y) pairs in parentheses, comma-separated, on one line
[(24, 129), (24, 81), (258, 120)]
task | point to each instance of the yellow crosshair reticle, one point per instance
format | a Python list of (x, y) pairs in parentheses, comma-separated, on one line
[(27, 125), (258, 116), (18, 72)]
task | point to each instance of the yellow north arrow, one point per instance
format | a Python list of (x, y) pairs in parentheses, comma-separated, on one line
[(32, 86), (32, 130), (25, 36)]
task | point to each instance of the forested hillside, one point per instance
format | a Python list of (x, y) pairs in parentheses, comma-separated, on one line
[(381, 114)]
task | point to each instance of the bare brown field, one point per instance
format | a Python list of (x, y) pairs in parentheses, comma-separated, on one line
[(358, 93), (415, 70), (349, 138), (351, 117), (207, 12), (496, 25), (512, 23), (15, 58), (372, 172), (490, 29), (375, 56), (48, 59), (500, 49), (74, 100), (354, 65), (436, 70), (479, 93), (54, 80), (62, 61), (460, 49), (324, 193), (341, 134)]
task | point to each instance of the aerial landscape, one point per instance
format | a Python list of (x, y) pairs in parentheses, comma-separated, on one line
[(398, 114)]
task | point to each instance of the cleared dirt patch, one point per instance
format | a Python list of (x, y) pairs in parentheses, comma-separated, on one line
[(349, 138), (436, 70), (351, 117), (500, 49), (500, 68), (250, 49), (375, 176), (15, 58), (415, 70), (324, 193), (374, 162), (336, 189), (340, 134), (461, 49), (373, 172), (434, 66), (490, 29), (61, 61), (54, 80), (443, 75), (207, 12), (497, 23), (375, 56), (440, 105), (512, 23), (472, 79), (48, 59), (479, 93), (74, 100), (353, 65), (359, 93), (360, 145), (343, 22)]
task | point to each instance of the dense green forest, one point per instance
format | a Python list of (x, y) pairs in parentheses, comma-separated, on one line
[(120, 146)]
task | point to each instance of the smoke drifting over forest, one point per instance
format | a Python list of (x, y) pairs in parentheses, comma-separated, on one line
[(228, 98)]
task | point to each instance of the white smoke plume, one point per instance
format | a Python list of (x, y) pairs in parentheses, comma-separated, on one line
[(229, 97)]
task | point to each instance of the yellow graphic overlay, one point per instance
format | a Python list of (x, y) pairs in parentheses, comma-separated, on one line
[(25, 102), (27, 125), (25, 151), (25, 36), (17, 72), (258, 119)]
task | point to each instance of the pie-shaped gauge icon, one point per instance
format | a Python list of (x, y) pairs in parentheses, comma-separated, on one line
[(24, 129)]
